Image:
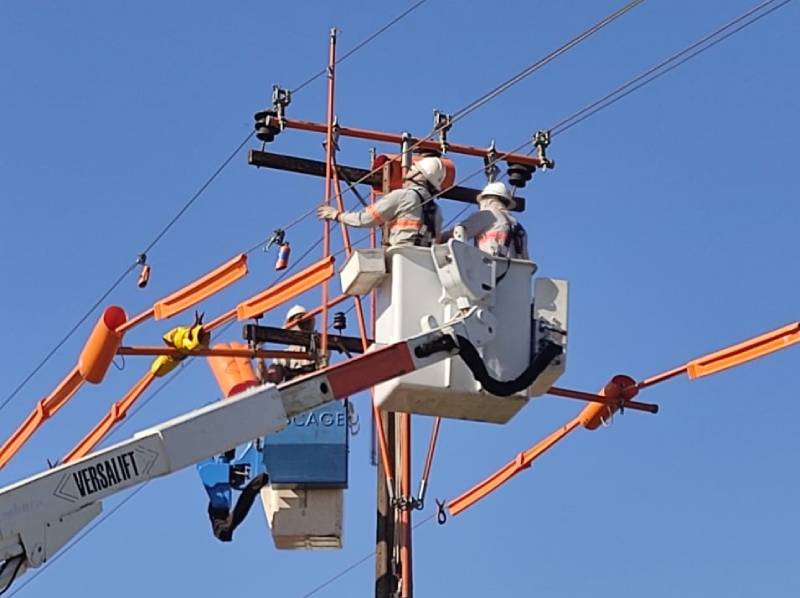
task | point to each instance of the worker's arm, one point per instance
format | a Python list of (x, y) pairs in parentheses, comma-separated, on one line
[(379, 213), (382, 211)]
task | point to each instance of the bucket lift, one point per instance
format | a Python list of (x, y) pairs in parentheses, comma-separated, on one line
[(417, 288), (306, 463)]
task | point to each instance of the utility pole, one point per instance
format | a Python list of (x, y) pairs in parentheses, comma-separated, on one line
[(385, 577)]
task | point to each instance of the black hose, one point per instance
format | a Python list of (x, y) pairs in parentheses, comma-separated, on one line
[(506, 388)]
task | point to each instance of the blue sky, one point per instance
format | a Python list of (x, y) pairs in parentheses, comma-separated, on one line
[(672, 214)]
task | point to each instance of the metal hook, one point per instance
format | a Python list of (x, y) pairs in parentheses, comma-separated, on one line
[(441, 515)]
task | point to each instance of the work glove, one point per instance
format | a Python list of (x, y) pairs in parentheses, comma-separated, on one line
[(327, 213)]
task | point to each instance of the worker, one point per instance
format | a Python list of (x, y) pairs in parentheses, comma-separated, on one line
[(284, 369), (493, 228), (411, 214)]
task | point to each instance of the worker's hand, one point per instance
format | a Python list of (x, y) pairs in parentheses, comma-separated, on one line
[(459, 234), (327, 213)]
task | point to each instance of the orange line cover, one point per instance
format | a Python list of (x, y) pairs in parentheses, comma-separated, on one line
[(288, 289), (202, 288)]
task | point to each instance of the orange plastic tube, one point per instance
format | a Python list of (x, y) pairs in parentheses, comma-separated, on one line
[(288, 289), (208, 285), (732, 356), (233, 374), (619, 387), (500, 477), (42, 412), (744, 352), (117, 413), (99, 351)]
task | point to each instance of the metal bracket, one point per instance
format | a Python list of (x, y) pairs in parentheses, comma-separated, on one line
[(407, 503), (442, 123), (490, 166), (281, 98), (277, 237), (541, 141)]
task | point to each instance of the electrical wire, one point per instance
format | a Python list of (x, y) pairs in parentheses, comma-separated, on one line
[(672, 62), (360, 45), (360, 561), (530, 69), (67, 336), (496, 91), (183, 210), (692, 51)]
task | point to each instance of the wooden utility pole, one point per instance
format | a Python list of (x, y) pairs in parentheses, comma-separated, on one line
[(385, 578)]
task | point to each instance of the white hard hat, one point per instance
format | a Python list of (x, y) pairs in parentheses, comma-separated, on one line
[(498, 189), (295, 311), (432, 169)]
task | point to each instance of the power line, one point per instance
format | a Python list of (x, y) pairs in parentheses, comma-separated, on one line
[(671, 62), (530, 69), (692, 51), (355, 565), (67, 336), (360, 45), (496, 91), (182, 211)]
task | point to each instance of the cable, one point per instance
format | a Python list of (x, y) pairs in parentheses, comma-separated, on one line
[(183, 210), (67, 336), (496, 91), (490, 95), (644, 78), (122, 277), (355, 565), (360, 45), (198, 193)]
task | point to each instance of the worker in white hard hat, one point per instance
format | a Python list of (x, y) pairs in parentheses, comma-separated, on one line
[(284, 369), (493, 228), (411, 214)]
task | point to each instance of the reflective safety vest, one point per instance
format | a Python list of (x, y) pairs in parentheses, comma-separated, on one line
[(497, 233), (410, 215)]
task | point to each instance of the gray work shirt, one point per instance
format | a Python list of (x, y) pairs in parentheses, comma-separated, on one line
[(401, 210)]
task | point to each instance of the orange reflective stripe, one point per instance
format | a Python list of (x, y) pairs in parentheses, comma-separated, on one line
[(376, 216), (499, 235), (406, 224)]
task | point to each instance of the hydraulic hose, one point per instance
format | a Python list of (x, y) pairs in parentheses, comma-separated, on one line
[(504, 388)]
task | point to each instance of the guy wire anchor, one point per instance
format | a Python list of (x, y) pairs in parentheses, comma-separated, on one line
[(541, 140), (442, 122), (490, 163), (281, 98)]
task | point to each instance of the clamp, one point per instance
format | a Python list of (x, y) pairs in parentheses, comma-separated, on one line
[(541, 140), (442, 123), (490, 167), (281, 98)]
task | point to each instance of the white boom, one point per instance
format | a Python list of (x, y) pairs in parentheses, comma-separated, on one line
[(40, 514)]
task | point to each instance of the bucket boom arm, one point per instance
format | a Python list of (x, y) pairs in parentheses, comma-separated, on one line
[(39, 515)]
